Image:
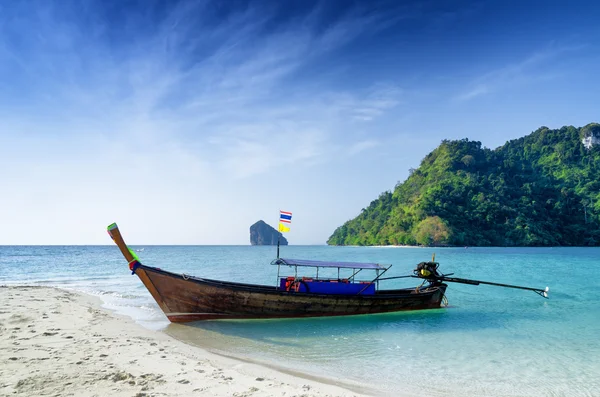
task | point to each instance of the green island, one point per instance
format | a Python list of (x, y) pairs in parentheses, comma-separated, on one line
[(539, 190)]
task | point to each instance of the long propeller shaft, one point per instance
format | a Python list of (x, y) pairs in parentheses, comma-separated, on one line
[(541, 292)]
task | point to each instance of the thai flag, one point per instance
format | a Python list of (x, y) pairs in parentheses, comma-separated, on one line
[(285, 217)]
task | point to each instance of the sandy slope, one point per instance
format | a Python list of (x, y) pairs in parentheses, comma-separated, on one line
[(58, 343)]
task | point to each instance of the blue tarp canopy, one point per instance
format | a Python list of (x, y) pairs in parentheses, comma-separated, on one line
[(347, 265)]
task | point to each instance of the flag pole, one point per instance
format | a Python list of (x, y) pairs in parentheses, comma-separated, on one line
[(278, 233), (278, 245), (284, 217)]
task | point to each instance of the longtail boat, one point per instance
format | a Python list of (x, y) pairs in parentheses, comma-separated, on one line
[(185, 298)]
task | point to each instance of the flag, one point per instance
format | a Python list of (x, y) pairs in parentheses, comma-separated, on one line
[(285, 217)]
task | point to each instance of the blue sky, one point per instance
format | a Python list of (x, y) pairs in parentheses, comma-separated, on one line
[(186, 122)]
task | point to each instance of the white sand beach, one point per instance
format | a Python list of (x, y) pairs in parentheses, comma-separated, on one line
[(59, 343)]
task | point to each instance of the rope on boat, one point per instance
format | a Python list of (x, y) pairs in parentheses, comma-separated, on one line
[(135, 262), (133, 265), (444, 300), (185, 276), (417, 289)]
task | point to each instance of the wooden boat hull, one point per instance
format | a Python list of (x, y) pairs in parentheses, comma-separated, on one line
[(185, 298)]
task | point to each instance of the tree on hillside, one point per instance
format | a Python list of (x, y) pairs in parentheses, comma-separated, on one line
[(432, 231)]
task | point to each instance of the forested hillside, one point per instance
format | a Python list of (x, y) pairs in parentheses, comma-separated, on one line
[(539, 190)]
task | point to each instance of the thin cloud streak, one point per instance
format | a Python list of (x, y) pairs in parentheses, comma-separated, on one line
[(237, 83), (362, 146), (532, 68)]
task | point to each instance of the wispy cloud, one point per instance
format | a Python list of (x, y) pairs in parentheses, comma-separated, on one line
[(477, 90), (377, 102), (530, 69), (175, 112), (224, 89), (151, 112), (361, 146)]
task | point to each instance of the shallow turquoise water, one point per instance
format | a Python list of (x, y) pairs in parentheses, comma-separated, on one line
[(490, 341)]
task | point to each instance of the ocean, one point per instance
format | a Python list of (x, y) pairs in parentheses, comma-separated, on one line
[(489, 341)]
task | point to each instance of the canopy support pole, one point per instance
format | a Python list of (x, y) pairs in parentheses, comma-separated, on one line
[(351, 278), (376, 279)]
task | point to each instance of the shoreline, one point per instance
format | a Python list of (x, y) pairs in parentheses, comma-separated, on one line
[(360, 391), (56, 341)]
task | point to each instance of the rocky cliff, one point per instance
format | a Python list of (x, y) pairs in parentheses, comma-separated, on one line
[(263, 234), (591, 135)]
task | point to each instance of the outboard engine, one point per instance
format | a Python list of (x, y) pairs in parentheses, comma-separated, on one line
[(428, 271)]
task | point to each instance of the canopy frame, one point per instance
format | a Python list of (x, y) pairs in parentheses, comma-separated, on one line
[(356, 268), (318, 264)]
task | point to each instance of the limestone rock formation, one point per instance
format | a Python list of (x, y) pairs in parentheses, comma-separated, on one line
[(263, 234), (591, 135)]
